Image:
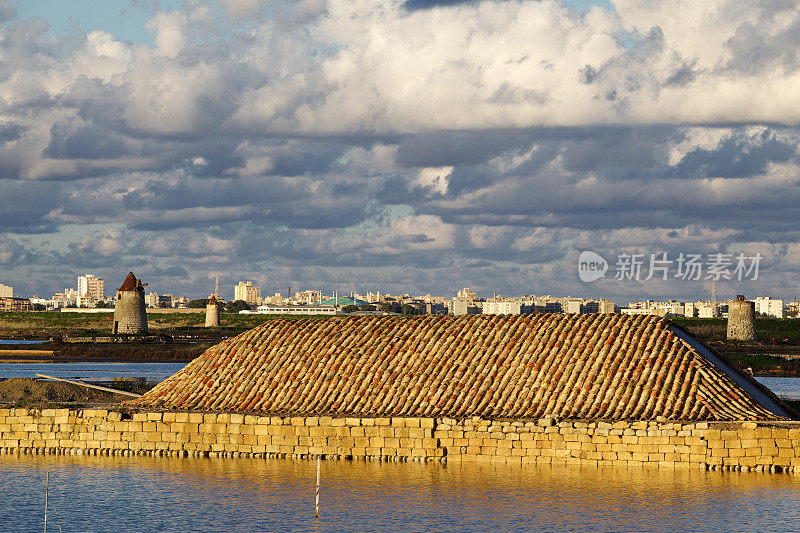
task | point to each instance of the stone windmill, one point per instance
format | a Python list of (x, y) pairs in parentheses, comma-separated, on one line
[(130, 315)]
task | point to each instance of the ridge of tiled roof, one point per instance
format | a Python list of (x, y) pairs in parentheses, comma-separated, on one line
[(609, 367)]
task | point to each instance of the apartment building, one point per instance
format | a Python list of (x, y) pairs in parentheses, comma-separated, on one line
[(247, 292), (769, 306)]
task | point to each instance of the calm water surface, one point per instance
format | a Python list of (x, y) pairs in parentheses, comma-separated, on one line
[(788, 388), (154, 372), (158, 494)]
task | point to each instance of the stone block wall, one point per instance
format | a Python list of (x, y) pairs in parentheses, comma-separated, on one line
[(758, 446)]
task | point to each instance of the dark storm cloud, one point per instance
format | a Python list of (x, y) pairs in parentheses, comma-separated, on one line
[(463, 148), (737, 157), (187, 193), (10, 131), (24, 206), (69, 140), (622, 178)]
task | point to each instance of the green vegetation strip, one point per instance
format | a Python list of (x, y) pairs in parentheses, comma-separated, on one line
[(774, 336)]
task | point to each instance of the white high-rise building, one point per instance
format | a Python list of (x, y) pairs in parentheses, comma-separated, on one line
[(247, 292), (6, 291), (769, 306), (90, 287)]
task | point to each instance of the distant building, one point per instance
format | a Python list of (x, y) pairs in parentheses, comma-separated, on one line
[(769, 306), (6, 291), (342, 301), (553, 307), (293, 310), (706, 309), (670, 308), (247, 292), (435, 308), (466, 293), (308, 297), (642, 311), (152, 300), (466, 302), (606, 307), (90, 290), (506, 306), (15, 304), (68, 298), (463, 306), (572, 306)]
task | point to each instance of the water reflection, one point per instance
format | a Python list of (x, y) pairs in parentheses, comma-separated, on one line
[(158, 494)]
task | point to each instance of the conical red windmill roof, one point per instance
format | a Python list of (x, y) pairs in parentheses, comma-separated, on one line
[(131, 283)]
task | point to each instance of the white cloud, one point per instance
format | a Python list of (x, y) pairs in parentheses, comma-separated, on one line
[(168, 28), (237, 9), (490, 137)]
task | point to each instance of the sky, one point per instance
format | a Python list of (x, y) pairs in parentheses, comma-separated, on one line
[(408, 146)]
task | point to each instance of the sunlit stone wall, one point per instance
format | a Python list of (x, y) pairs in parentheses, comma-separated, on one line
[(773, 446)]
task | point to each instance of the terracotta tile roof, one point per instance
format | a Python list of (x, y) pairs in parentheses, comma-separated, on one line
[(212, 300), (569, 366), (131, 283)]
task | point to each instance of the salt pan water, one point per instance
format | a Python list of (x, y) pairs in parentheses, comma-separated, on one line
[(161, 494)]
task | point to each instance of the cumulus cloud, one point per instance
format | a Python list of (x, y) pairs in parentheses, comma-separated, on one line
[(402, 145), (236, 9)]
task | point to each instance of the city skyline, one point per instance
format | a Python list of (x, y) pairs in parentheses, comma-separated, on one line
[(416, 146)]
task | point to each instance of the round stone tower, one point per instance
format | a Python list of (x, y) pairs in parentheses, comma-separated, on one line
[(130, 316), (212, 313), (741, 320)]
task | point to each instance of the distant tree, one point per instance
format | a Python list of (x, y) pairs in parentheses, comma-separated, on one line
[(102, 305), (236, 306), (409, 309), (197, 304), (350, 308), (367, 307), (39, 307), (387, 308)]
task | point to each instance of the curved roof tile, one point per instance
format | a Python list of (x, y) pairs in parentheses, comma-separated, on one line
[(608, 367)]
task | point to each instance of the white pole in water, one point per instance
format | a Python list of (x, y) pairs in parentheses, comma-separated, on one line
[(317, 502), (46, 489)]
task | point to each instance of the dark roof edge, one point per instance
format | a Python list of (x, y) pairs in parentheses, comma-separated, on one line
[(759, 392)]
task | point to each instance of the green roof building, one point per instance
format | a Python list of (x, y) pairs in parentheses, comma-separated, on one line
[(342, 301)]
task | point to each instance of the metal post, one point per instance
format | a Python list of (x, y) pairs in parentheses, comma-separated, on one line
[(46, 489), (316, 506)]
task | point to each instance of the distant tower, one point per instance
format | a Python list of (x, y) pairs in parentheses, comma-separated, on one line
[(130, 317), (212, 313), (741, 320)]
